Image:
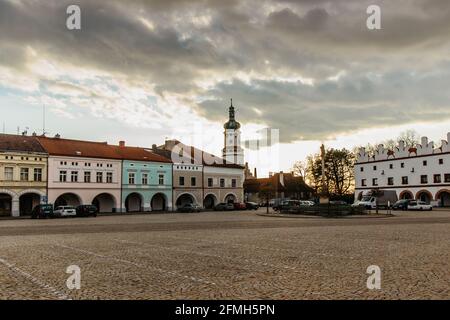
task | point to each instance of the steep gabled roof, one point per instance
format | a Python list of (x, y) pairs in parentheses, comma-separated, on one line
[(193, 153)]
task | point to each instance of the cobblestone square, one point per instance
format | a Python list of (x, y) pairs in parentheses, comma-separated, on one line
[(226, 255)]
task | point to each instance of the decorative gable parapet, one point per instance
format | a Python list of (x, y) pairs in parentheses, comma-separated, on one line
[(425, 147)]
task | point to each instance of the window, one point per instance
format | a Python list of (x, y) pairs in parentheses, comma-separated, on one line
[(423, 179), (402, 165), (99, 177), (425, 163), (374, 168), (390, 181), (23, 174), (447, 177), (404, 180), (375, 181), (437, 178), (9, 174), (441, 161), (210, 182), (37, 174), (361, 169), (145, 178), (74, 176), (181, 180), (62, 176), (87, 176), (161, 179), (109, 177), (391, 166), (222, 183), (193, 181), (363, 182), (131, 178), (233, 183)]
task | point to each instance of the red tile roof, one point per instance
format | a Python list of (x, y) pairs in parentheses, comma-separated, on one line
[(10, 142), (90, 149)]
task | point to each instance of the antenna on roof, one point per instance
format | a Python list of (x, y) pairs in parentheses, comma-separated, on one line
[(4, 127), (43, 121)]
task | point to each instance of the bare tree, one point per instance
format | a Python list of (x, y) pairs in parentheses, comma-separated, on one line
[(411, 138), (300, 168)]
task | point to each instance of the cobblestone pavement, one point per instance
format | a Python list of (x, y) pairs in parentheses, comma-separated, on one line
[(233, 255)]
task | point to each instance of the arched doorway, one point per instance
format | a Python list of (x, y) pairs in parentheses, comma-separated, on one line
[(133, 202), (159, 202), (406, 195), (443, 197), (104, 202), (424, 196), (210, 201), (230, 198), (27, 202), (184, 199), (5, 204), (68, 199)]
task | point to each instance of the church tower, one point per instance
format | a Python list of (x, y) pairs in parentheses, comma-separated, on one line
[(232, 151)]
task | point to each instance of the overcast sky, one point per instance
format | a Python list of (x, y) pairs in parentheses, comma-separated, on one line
[(142, 71)]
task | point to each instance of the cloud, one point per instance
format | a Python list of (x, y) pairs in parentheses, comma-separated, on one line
[(310, 68)]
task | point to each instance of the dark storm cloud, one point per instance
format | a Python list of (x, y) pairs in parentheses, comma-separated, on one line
[(253, 51)]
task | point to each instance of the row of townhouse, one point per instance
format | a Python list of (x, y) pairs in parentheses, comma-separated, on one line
[(420, 172), (115, 178)]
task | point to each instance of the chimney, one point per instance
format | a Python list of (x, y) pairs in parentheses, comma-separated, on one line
[(270, 174), (122, 143), (256, 176), (57, 136), (154, 148)]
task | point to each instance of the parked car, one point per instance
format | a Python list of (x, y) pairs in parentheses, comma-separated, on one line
[(224, 207), (190, 207), (87, 210), (307, 203), (239, 206), (65, 211), (287, 204), (251, 206), (42, 211), (401, 204), (419, 205), (338, 203)]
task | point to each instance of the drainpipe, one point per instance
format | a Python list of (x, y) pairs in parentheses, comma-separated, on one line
[(121, 185)]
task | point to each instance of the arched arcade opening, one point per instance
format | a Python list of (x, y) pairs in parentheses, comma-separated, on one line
[(210, 201), (184, 199), (133, 202), (159, 202), (27, 202), (104, 202), (68, 199), (5, 204)]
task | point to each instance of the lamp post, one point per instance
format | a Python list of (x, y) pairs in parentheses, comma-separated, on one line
[(324, 194)]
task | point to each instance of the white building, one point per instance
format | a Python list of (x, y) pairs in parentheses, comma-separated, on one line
[(420, 172)]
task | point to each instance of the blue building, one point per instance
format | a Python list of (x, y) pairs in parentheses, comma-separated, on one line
[(146, 180)]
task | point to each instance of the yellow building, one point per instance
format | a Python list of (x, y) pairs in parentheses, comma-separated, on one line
[(23, 174)]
